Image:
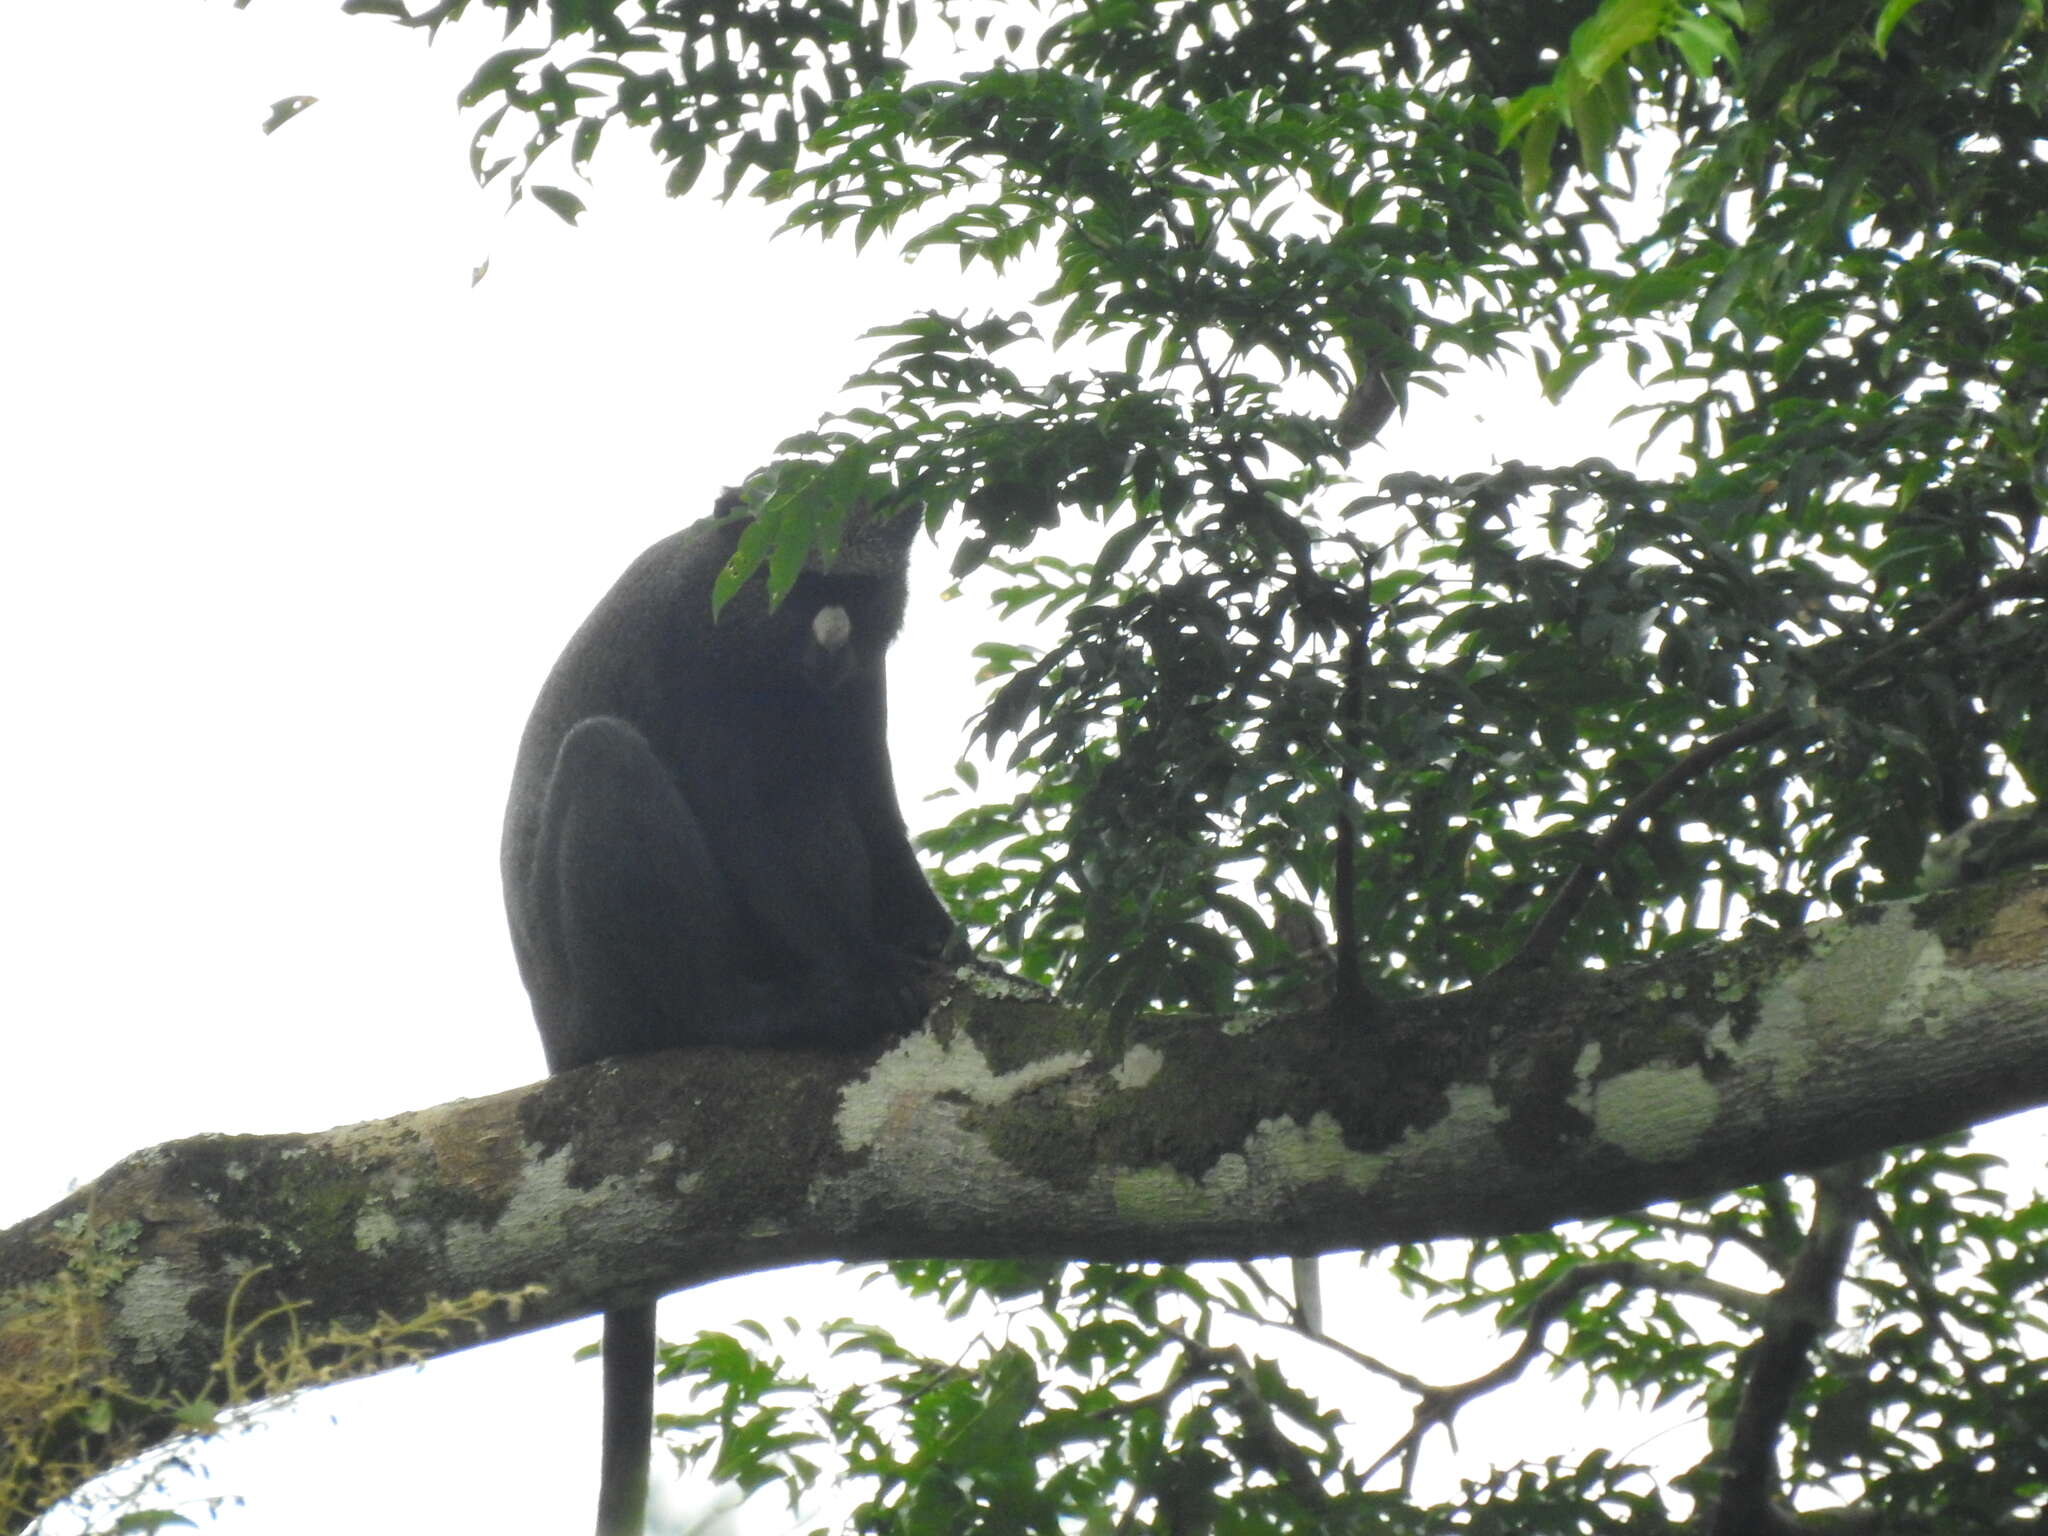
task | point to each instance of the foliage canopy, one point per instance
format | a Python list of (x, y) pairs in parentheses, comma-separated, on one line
[(1473, 717)]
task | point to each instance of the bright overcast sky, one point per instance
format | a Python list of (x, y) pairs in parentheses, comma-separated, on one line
[(296, 520)]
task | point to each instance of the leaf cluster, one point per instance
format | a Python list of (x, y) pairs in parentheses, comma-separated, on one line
[(1096, 1398), (1108, 1398)]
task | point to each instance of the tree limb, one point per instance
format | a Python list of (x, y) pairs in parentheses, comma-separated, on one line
[(1012, 1126), (1800, 1313)]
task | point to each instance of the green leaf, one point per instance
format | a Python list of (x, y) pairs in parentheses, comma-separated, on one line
[(752, 550), (284, 110), (584, 144), (798, 531), (564, 204), (1615, 30), (1888, 19), (498, 75)]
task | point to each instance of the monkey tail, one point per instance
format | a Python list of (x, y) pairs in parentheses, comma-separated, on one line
[(628, 1420)]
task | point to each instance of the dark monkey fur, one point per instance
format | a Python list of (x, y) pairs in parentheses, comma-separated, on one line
[(703, 846)]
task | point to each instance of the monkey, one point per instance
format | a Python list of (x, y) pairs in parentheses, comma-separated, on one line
[(703, 845)]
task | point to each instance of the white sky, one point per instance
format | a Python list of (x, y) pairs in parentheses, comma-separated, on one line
[(295, 521)]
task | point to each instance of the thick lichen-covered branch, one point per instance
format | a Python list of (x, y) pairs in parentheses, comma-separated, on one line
[(1009, 1125)]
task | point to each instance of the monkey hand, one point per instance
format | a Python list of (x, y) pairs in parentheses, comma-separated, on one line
[(901, 991)]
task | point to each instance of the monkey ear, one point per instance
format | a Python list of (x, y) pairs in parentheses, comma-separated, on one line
[(829, 658), (831, 628)]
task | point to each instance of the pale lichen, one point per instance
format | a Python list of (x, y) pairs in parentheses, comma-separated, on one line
[(1655, 1114), (921, 1067), (1140, 1065)]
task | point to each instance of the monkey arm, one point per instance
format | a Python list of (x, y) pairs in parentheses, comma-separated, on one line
[(907, 914), (632, 896), (786, 836)]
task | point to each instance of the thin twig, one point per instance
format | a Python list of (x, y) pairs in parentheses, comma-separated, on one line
[(1439, 1405)]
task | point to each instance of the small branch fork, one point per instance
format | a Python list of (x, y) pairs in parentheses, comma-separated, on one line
[(1439, 1405), (1799, 1314), (1791, 1321)]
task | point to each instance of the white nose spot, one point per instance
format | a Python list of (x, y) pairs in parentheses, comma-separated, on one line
[(832, 628)]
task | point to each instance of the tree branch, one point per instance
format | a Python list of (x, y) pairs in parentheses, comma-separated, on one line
[(1012, 1126), (1439, 1405), (1801, 1312)]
